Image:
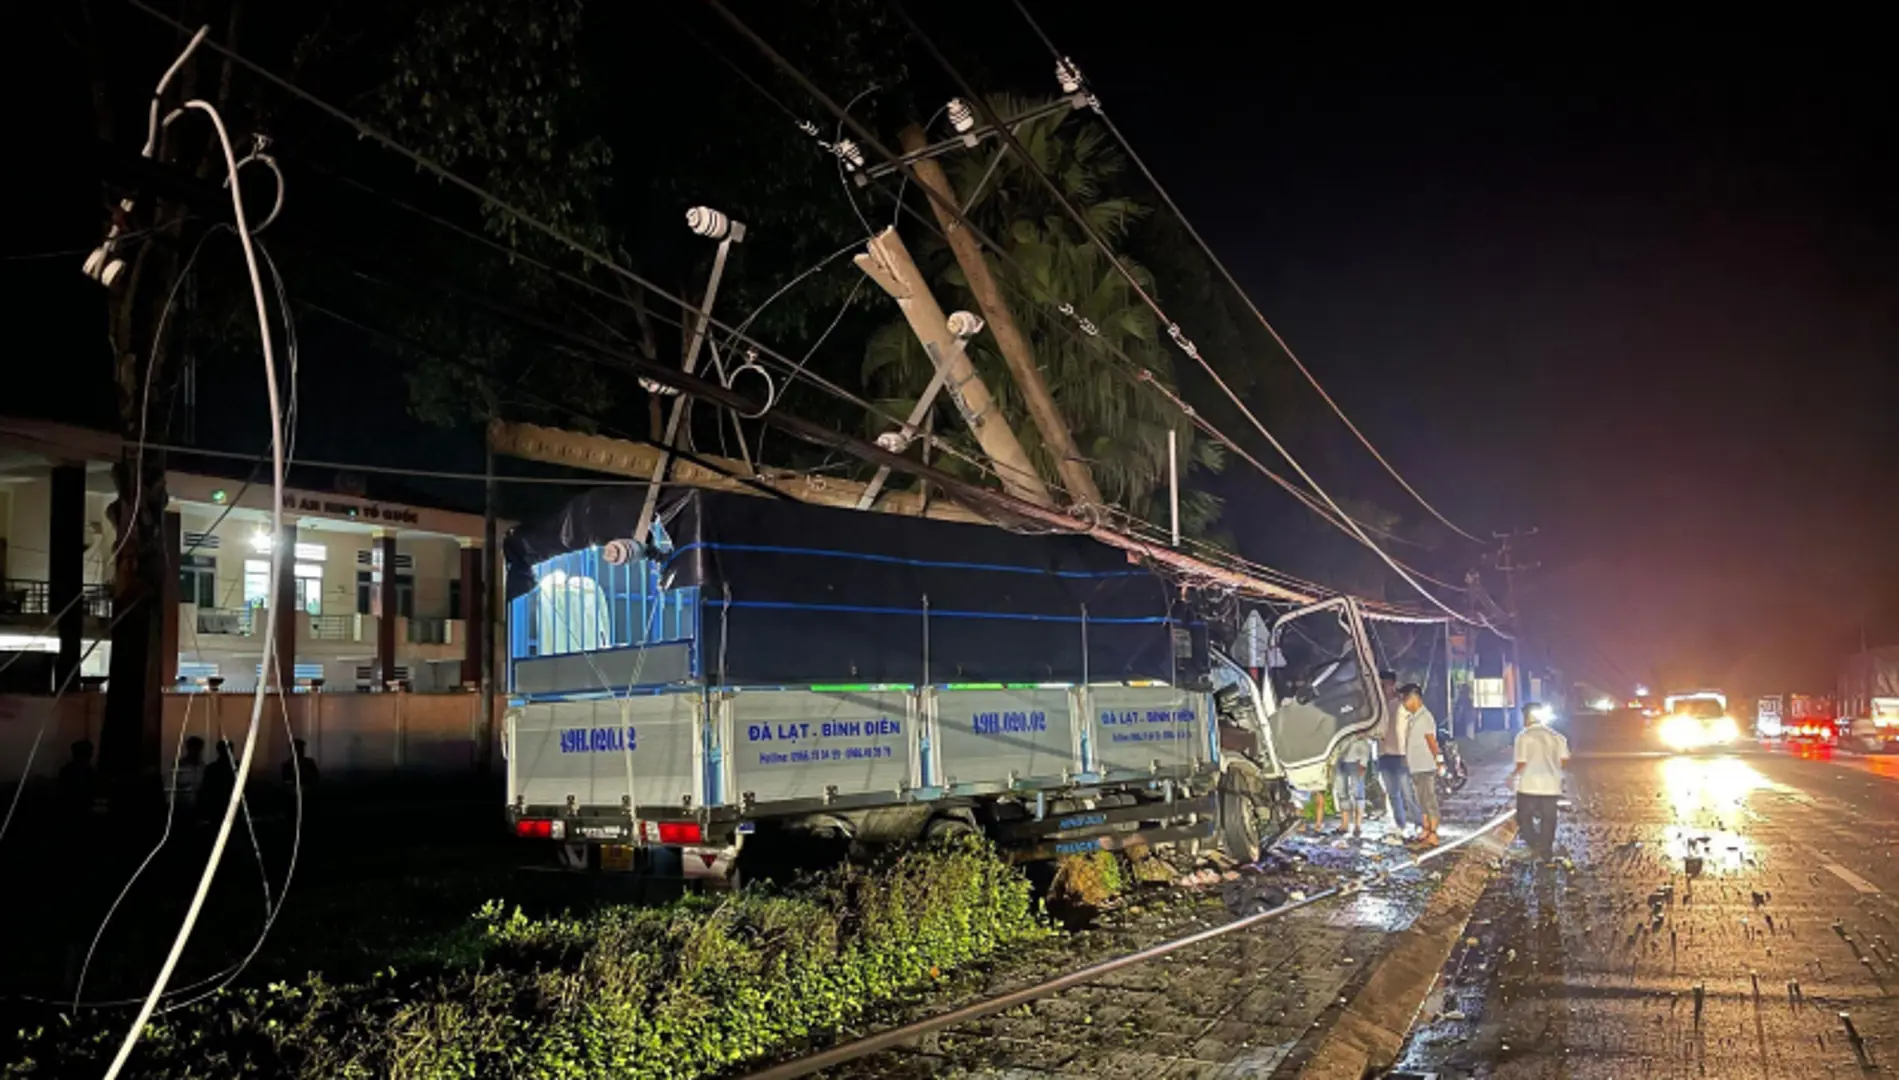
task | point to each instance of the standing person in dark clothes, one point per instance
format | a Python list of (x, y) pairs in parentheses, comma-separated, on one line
[(301, 768), (188, 777), (78, 780), (219, 778)]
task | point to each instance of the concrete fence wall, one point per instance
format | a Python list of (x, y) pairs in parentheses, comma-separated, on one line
[(351, 736)]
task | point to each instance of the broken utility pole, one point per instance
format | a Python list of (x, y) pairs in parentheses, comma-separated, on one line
[(1013, 344), (887, 262)]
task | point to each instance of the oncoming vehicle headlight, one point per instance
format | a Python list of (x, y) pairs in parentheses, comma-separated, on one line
[(1724, 730), (1681, 732)]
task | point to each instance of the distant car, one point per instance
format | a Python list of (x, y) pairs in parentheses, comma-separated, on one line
[(1814, 731), (1697, 723)]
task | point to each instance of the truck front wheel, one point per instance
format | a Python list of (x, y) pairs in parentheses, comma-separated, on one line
[(1239, 827)]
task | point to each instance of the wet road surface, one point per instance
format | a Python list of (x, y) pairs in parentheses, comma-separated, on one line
[(1717, 916)]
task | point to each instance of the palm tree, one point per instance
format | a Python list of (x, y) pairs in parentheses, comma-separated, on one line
[(1118, 423)]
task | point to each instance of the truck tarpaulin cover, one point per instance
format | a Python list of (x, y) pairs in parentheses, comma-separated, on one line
[(792, 593)]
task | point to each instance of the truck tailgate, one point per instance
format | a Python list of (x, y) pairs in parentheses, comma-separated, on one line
[(586, 750)]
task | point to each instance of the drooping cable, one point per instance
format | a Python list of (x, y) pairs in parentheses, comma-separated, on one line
[(1218, 264), (1002, 132), (1174, 331), (277, 567), (996, 503)]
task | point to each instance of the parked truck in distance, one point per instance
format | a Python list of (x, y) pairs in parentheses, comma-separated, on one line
[(755, 677)]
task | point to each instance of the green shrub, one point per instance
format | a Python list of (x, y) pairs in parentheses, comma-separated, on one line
[(664, 993)]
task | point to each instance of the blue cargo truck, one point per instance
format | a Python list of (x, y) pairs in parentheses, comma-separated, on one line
[(755, 673)]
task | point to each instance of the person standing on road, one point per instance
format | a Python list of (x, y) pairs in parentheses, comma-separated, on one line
[(188, 775), (1393, 772), (1542, 754), (1422, 758), (1348, 783)]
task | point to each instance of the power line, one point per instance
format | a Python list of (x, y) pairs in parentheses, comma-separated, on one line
[(1009, 138), (1131, 368), (1220, 265), (277, 567), (1173, 328), (798, 369), (999, 504)]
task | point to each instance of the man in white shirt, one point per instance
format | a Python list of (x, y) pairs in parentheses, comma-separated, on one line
[(1542, 754), (1421, 758), (1394, 774)]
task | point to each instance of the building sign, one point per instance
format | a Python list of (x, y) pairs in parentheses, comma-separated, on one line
[(190, 488), (360, 511)]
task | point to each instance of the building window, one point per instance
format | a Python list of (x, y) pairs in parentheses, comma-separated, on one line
[(256, 583), (312, 553), (405, 594), (310, 587), (198, 581)]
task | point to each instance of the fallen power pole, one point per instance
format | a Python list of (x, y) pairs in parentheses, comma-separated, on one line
[(1010, 340)]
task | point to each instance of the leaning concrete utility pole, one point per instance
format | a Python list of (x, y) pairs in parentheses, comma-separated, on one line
[(1014, 345), (887, 262)]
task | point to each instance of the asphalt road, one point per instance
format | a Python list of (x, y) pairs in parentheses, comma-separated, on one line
[(1722, 912)]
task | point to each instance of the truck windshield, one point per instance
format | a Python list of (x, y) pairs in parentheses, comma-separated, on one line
[(1699, 708)]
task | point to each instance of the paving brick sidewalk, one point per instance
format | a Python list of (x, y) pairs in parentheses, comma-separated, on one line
[(1247, 1004)]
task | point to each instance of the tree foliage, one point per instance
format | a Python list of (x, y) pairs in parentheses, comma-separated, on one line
[(1120, 424)]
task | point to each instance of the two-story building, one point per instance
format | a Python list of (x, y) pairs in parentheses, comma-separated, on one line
[(381, 591)]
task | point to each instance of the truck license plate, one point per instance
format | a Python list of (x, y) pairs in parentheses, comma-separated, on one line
[(617, 858)]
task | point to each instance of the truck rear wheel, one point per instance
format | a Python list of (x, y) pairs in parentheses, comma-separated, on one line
[(1239, 827)]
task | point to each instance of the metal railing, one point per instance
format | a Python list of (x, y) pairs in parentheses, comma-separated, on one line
[(431, 631), (239, 622), (333, 628), (19, 596)]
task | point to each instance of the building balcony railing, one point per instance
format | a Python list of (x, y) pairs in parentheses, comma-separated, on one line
[(26, 597), (432, 631), (239, 622), (335, 628)]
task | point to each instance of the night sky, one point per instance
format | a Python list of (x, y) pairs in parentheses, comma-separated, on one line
[(1632, 283), (1629, 282)]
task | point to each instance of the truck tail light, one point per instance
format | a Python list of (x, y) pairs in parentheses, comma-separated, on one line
[(536, 829), (680, 832)]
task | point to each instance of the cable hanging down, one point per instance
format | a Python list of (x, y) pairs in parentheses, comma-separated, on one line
[(1011, 142), (1072, 81), (277, 563), (996, 504)]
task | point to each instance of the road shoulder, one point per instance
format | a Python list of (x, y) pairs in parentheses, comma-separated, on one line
[(1370, 1030)]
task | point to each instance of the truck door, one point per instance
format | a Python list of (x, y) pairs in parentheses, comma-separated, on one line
[(1324, 679)]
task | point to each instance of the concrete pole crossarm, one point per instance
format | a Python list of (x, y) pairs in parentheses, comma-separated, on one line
[(887, 262)]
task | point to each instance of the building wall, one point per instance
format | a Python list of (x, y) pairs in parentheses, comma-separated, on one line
[(26, 528), (350, 635)]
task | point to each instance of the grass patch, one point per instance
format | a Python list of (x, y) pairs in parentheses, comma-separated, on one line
[(1088, 881), (666, 993)]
